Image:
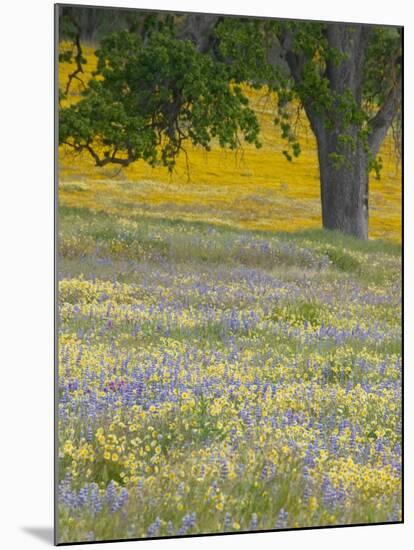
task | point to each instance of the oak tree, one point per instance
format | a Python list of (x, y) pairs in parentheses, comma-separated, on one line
[(170, 79)]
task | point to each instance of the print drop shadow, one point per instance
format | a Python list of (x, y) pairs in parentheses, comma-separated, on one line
[(43, 533)]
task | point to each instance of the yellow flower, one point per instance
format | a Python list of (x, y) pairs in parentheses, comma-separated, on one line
[(68, 447), (313, 503), (115, 457)]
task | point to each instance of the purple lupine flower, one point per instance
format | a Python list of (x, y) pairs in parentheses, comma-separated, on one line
[(328, 493), (263, 475), (227, 521), (188, 522), (395, 514), (96, 501), (110, 494), (309, 459), (224, 470), (83, 496), (308, 484), (154, 529), (282, 519), (89, 435), (120, 500), (341, 494)]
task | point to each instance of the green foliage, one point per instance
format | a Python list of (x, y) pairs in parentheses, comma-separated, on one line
[(150, 97), (154, 91), (243, 45), (380, 73), (342, 259), (313, 56)]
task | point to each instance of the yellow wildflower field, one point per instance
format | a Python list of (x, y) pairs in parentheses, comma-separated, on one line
[(248, 189)]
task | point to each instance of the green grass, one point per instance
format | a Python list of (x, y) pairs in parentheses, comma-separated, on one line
[(314, 314)]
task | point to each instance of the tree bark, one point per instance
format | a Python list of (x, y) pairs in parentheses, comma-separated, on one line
[(344, 187)]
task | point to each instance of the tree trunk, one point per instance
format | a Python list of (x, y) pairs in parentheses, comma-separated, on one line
[(344, 185)]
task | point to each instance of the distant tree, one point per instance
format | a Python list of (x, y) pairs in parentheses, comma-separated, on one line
[(172, 79)]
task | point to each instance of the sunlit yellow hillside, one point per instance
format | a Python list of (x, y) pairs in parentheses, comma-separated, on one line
[(256, 189)]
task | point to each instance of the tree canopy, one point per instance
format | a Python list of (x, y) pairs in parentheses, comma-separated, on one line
[(149, 97)]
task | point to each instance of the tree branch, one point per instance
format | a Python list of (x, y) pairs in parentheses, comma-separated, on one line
[(346, 73), (296, 62), (78, 57), (109, 159), (79, 69), (199, 29), (382, 120)]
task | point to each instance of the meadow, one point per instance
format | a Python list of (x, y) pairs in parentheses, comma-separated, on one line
[(224, 366), (249, 189)]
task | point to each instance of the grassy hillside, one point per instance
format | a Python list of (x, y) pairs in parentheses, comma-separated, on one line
[(223, 364), (214, 379), (253, 189)]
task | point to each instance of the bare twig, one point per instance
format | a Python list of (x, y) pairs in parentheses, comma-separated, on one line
[(78, 60)]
